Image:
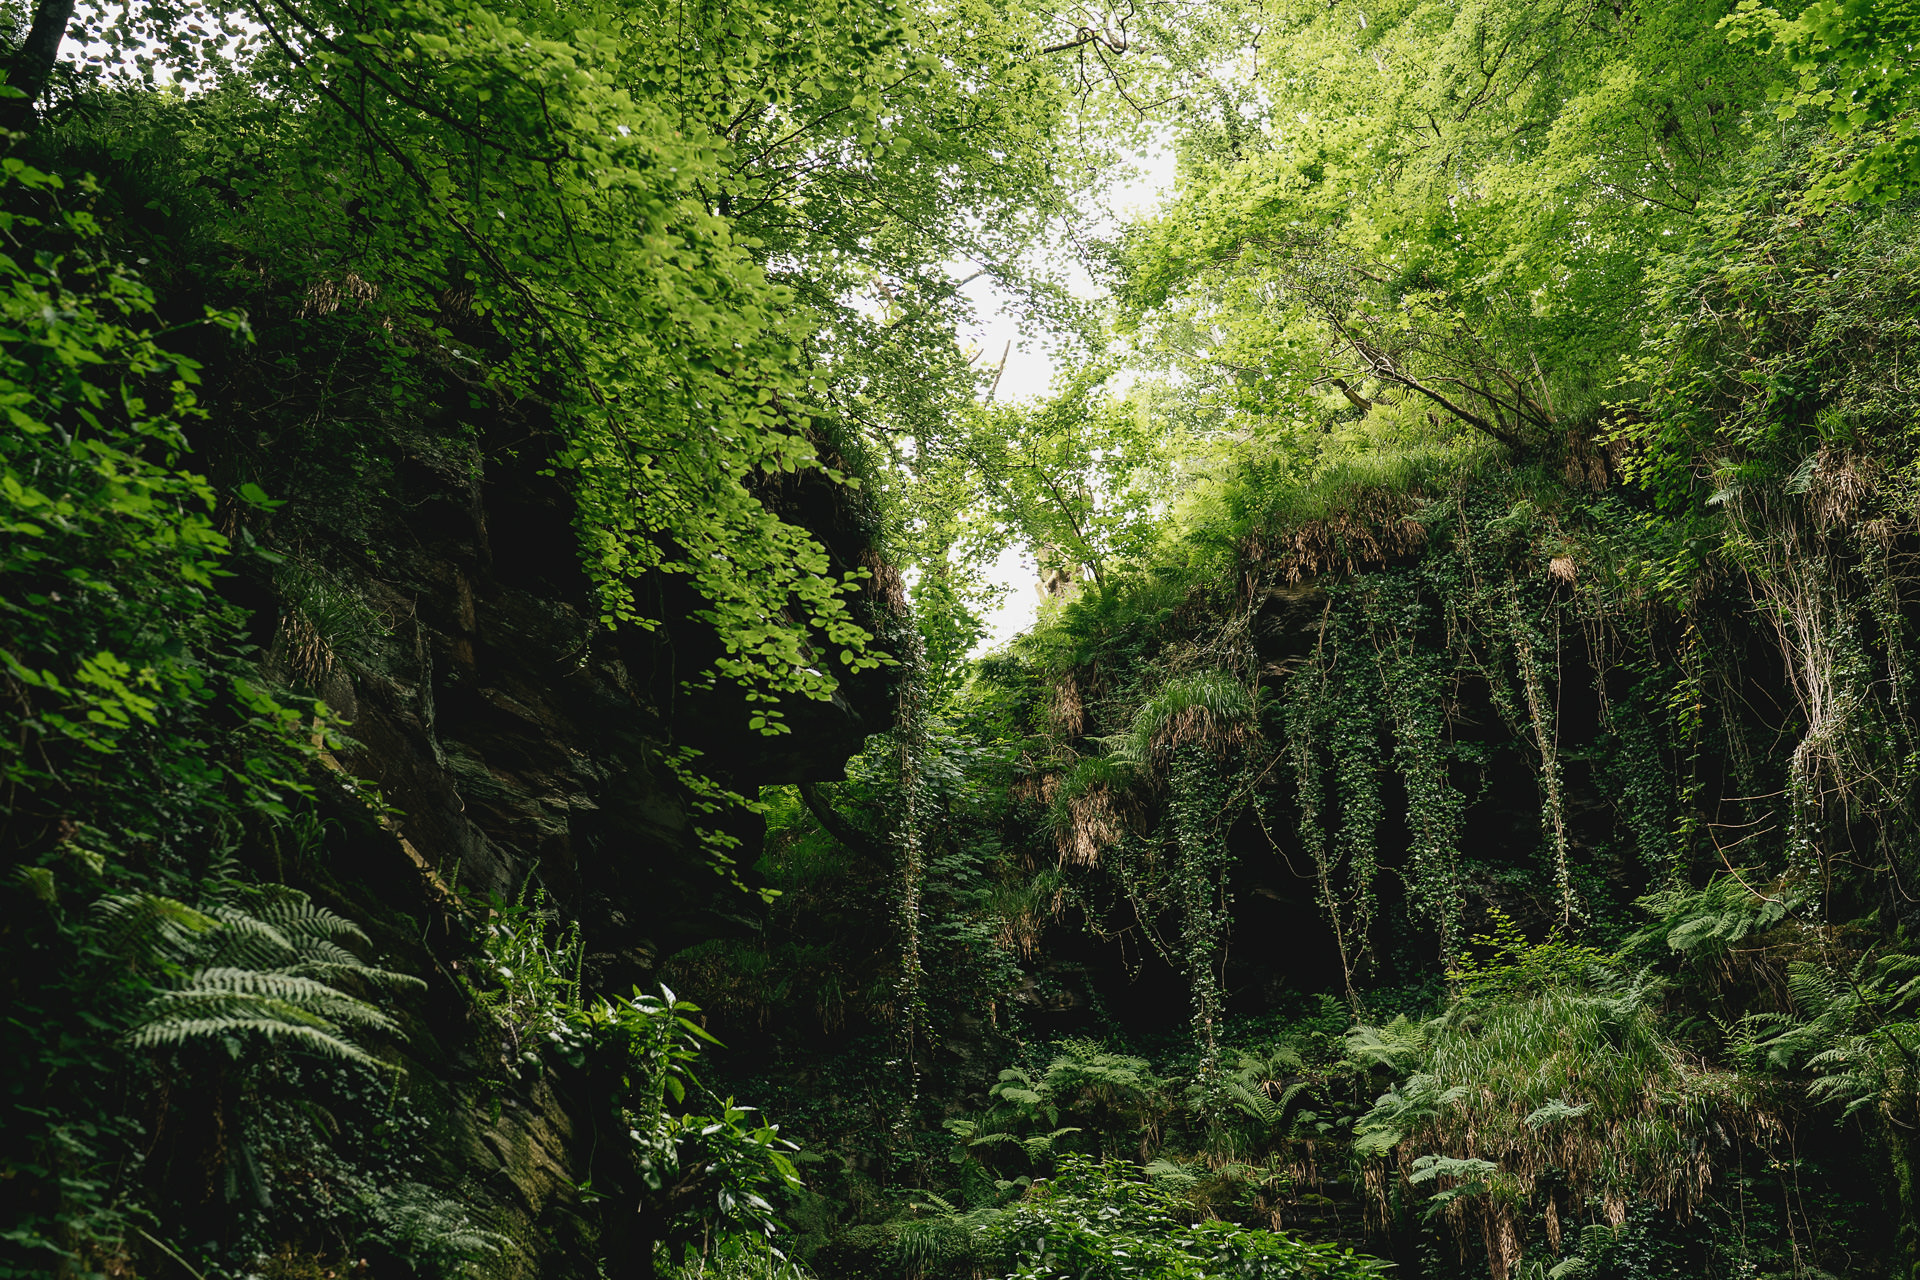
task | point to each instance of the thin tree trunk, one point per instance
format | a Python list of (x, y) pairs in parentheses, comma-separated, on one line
[(33, 65)]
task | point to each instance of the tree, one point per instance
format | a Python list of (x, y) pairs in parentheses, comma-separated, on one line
[(658, 222), (1858, 65), (1443, 215)]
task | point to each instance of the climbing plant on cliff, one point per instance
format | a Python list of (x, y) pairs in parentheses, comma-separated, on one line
[(1374, 674), (145, 763), (1192, 738)]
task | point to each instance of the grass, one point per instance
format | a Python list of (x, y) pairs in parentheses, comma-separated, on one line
[(1533, 1109)]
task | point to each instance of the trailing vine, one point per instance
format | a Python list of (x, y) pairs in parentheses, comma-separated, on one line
[(1353, 740), (910, 740), (1413, 679), (1198, 797), (1635, 771), (1371, 670), (1305, 712), (1546, 738), (1332, 708)]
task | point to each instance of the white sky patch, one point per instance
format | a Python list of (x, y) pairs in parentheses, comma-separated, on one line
[(1030, 372), (1015, 570)]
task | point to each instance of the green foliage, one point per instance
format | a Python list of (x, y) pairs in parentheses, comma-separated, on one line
[(1211, 710), (704, 1165), (1758, 359), (1855, 68), (1375, 667), (143, 753), (1106, 1221), (1547, 1085), (1509, 966), (1194, 737), (261, 971), (1399, 223), (735, 1259), (579, 212), (529, 973), (1265, 1085), (1855, 1032), (1074, 477), (429, 1231), (108, 545), (1533, 392), (1702, 924), (1116, 1099)]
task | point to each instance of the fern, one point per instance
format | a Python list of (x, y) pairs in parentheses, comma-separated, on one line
[(263, 973), (1596, 1238), (430, 1231), (1257, 1105), (1855, 1032), (1396, 1046), (1263, 1086), (1704, 923), (1118, 1094), (148, 926)]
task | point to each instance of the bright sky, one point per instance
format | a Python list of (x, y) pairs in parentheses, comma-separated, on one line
[(1028, 375)]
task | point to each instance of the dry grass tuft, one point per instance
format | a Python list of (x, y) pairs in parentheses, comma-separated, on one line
[(304, 651), (884, 582), (1840, 487), (1209, 709), (324, 297), (1065, 707), (1375, 529), (1024, 910), (1089, 810)]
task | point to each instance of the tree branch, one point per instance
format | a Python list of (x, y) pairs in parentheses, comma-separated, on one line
[(835, 823)]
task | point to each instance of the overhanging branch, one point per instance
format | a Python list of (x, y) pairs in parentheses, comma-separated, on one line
[(835, 823)]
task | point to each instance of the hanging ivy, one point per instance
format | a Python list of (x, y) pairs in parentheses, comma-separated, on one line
[(1199, 795), (910, 741), (1414, 677)]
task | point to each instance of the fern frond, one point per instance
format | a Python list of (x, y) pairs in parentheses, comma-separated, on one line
[(385, 978), (149, 925), (246, 941), (299, 917), (266, 972), (1838, 1056), (161, 1023), (1170, 1173), (1257, 1105), (325, 951), (177, 1034), (1810, 987), (297, 991), (1291, 1092), (994, 1140)]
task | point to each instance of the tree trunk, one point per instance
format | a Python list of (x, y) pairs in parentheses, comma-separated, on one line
[(33, 66)]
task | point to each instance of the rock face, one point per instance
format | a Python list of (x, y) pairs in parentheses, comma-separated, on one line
[(430, 591)]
